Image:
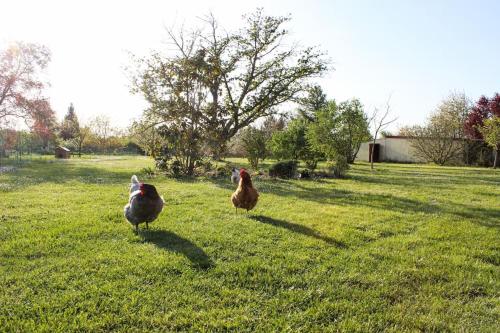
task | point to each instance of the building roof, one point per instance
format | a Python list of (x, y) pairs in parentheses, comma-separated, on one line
[(63, 148)]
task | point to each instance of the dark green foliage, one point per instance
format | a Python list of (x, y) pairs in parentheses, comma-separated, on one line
[(339, 168), (219, 82), (312, 103), (291, 143), (339, 130), (254, 143), (148, 171), (283, 169), (170, 167), (70, 127)]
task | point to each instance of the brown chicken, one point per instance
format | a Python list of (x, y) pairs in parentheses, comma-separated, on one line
[(246, 195)]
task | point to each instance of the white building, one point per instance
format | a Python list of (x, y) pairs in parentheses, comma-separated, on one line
[(392, 148)]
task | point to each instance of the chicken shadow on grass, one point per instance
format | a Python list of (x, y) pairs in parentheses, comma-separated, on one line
[(300, 229), (169, 241)]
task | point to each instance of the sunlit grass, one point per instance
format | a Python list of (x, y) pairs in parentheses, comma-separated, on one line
[(404, 248)]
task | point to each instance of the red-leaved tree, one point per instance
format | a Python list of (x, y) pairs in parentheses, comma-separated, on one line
[(43, 123), (21, 88), (485, 108)]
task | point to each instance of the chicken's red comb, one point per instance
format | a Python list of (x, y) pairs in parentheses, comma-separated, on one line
[(141, 187), (242, 172)]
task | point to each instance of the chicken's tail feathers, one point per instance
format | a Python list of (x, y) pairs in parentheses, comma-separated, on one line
[(134, 179)]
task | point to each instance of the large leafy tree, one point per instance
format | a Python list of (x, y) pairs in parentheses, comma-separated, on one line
[(353, 123), (101, 129), (433, 143), (254, 143), (176, 94), (484, 109), (442, 139), (147, 137), (314, 101), (21, 88), (43, 124), (273, 124), (219, 82), (451, 115), (340, 130), (292, 143), (254, 70), (83, 135), (491, 133), (70, 125)]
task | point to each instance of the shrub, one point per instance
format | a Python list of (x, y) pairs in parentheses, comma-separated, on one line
[(161, 164), (254, 142), (311, 164), (174, 168), (305, 173), (204, 166), (148, 171), (283, 169), (339, 169)]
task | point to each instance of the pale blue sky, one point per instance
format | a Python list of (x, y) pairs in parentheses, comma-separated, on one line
[(418, 51)]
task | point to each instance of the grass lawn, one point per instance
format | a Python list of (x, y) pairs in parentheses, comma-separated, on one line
[(405, 248)]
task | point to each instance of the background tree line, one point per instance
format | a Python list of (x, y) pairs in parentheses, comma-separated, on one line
[(459, 132), (320, 129), (23, 104), (97, 136)]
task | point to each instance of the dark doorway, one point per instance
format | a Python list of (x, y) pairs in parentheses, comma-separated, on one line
[(376, 152)]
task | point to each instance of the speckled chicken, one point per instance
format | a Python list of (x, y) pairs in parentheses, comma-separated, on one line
[(145, 204), (235, 176), (245, 196)]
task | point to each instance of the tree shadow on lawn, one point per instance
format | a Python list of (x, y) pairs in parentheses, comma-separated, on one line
[(298, 228), (422, 181), (420, 177), (58, 172), (486, 217), (169, 241), (306, 190)]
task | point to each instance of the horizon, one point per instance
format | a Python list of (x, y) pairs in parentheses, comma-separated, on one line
[(416, 53)]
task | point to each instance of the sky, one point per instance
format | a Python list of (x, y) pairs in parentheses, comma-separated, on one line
[(416, 52)]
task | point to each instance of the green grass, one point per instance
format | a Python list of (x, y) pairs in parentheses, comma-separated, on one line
[(404, 248)]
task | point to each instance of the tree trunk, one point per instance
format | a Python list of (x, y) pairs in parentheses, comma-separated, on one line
[(495, 162), (371, 152), (190, 170)]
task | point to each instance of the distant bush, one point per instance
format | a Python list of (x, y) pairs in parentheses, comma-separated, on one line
[(173, 168), (203, 166), (305, 173), (254, 142), (224, 170), (149, 171), (340, 167), (161, 164), (283, 169)]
